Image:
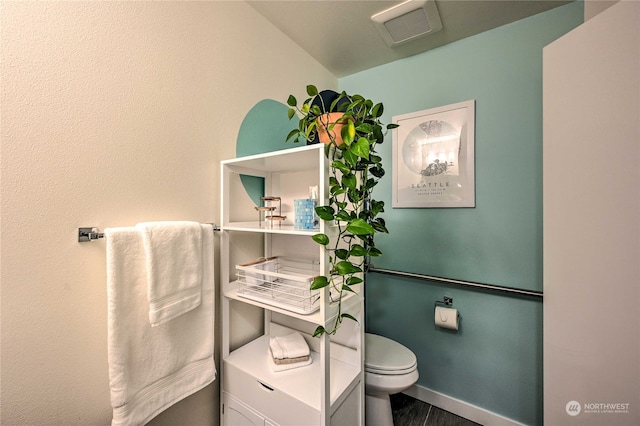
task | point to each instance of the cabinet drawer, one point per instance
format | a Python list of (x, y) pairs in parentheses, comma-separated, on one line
[(268, 400)]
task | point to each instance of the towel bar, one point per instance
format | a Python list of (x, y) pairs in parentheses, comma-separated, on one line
[(92, 233)]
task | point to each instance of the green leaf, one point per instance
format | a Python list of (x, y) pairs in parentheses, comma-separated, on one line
[(364, 128), (357, 250), (376, 207), (351, 317), (319, 282), (354, 195), (374, 252), (348, 132), (377, 134), (312, 90), (380, 225), (342, 254), (354, 280), (370, 183), (347, 288), (360, 227), (325, 212), (343, 216), (361, 148), (337, 164), (367, 240), (327, 150), (335, 102), (377, 171), (345, 267), (350, 158), (349, 181), (292, 101), (392, 126), (321, 239), (294, 132), (377, 111), (319, 331), (337, 190), (310, 128)]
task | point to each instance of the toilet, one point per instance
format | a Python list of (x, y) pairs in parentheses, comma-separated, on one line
[(389, 368)]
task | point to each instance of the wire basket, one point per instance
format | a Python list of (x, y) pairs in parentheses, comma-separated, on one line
[(281, 282)]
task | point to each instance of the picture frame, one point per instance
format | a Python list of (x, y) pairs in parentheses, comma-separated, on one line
[(434, 158)]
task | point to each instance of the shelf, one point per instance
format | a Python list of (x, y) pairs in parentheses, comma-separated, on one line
[(267, 228), (350, 303), (330, 388), (286, 160), (301, 383)]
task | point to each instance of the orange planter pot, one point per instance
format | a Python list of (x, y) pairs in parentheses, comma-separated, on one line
[(325, 135)]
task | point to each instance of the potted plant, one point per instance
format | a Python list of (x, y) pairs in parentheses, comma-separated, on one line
[(355, 169)]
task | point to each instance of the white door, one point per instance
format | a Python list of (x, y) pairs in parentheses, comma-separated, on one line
[(592, 222)]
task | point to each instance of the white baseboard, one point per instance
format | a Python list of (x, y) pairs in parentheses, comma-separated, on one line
[(460, 408)]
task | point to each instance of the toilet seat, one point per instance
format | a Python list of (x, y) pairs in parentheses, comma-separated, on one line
[(387, 357)]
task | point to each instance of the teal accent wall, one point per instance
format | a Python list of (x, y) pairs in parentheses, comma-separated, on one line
[(495, 360), (500, 240)]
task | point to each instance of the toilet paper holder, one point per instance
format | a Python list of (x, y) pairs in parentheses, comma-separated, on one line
[(445, 315), (448, 301)]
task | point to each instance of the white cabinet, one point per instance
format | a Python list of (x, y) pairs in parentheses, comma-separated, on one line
[(329, 391), (235, 413)]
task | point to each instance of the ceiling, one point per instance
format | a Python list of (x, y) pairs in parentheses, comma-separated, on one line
[(340, 35)]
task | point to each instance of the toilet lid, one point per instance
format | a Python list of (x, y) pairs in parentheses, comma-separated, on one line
[(386, 356)]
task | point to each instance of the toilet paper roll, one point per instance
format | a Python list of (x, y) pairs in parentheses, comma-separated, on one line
[(446, 318)]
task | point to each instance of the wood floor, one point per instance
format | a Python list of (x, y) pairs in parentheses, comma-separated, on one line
[(408, 411)]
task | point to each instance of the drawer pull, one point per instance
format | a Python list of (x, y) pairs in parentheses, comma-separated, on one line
[(269, 388)]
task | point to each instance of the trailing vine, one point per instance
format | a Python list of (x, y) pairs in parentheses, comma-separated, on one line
[(355, 169)]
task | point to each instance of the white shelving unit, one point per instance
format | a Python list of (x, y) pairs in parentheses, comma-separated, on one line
[(330, 391)]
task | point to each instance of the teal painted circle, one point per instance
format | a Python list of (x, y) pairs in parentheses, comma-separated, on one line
[(264, 129)]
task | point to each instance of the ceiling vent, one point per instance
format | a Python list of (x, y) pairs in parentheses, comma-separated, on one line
[(407, 21)]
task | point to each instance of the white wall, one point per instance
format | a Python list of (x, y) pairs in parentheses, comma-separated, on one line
[(112, 113), (592, 221)]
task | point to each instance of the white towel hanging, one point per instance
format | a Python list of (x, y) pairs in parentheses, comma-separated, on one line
[(174, 260), (152, 368)]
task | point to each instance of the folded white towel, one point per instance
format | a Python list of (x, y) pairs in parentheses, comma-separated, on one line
[(284, 367), (290, 346), (174, 268), (151, 368)]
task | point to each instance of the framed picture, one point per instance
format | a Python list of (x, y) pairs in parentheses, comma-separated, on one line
[(433, 157)]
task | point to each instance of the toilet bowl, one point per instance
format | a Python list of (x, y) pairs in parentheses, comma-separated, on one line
[(389, 368)]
